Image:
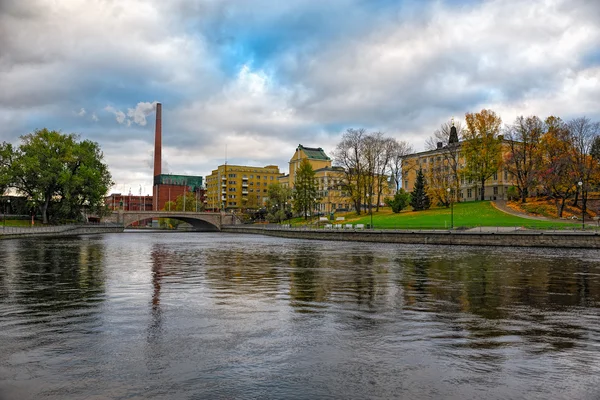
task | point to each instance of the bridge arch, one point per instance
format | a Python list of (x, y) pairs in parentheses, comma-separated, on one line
[(200, 221)]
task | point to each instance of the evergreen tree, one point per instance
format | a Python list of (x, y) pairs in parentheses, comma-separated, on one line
[(305, 189), (419, 200)]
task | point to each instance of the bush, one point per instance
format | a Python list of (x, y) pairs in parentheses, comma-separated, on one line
[(513, 193), (400, 201)]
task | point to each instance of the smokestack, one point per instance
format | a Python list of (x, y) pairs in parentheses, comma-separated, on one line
[(157, 157), (158, 141)]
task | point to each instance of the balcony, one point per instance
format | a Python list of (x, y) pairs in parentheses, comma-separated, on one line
[(223, 178), (244, 192), (244, 184)]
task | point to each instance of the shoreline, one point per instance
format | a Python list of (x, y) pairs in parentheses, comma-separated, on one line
[(518, 238)]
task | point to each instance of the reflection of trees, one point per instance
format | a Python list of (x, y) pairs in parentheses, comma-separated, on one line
[(244, 271), (306, 282), (54, 275), (498, 287)]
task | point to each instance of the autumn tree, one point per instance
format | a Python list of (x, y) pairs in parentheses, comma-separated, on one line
[(556, 173), (523, 158), (58, 170), (482, 147), (305, 189)]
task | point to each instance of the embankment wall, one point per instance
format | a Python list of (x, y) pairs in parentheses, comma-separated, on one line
[(507, 239)]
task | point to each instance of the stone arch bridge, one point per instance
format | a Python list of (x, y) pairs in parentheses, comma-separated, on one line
[(200, 221)]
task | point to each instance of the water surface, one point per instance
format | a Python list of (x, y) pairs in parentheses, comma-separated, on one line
[(221, 316)]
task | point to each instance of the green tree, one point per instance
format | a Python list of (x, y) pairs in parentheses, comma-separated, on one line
[(6, 155), (400, 201), (56, 169), (419, 199), (482, 146), (305, 189), (188, 203)]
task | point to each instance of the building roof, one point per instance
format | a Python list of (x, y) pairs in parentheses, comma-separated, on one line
[(336, 169), (314, 153)]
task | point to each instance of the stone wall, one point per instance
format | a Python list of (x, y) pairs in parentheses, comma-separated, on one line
[(507, 239), (59, 231)]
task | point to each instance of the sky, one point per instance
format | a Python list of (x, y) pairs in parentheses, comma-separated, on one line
[(248, 81)]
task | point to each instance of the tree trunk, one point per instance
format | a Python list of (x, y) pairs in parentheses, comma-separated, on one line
[(482, 189), (524, 196), (560, 206), (576, 199), (44, 210)]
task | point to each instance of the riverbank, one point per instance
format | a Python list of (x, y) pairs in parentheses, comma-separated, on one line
[(484, 237), (10, 232)]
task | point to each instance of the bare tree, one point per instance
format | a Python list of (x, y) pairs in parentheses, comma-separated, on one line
[(348, 155), (399, 150), (583, 133), (522, 160), (447, 141)]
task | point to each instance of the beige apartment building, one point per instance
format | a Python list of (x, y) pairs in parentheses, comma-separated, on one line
[(232, 187), (435, 164)]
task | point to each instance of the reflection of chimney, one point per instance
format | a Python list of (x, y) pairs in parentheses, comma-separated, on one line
[(158, 141), (157, 156)]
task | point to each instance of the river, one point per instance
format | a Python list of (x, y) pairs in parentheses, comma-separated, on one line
[(226, 316)]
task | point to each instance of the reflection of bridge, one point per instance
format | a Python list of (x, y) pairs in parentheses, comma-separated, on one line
[(200, 221)]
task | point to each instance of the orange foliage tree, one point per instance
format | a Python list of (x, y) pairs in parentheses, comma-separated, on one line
[(482, 147)]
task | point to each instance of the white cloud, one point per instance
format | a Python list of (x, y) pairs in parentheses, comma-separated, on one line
[(95, 117), (81, 112), (139, 113)]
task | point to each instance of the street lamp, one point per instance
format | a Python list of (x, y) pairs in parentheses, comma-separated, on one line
[(4, 215), (451, 208), (580, 183), (371, 208)]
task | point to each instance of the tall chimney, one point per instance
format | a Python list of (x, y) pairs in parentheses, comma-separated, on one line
[(157, 157), (158, 141)]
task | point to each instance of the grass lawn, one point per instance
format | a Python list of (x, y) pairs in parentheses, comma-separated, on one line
[(466, 215), (17, 222)]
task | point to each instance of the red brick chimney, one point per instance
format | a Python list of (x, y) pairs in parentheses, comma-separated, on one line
[(157, 154)]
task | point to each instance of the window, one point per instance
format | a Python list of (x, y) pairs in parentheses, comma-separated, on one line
[(505, 175), (251, 176), (406, 184), (257, 176), (469, 193), (495, 190), (232, 175), (271, 178), (496, 175), (265, 190)]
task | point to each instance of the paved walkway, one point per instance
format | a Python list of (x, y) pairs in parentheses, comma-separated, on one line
[(502, 206)]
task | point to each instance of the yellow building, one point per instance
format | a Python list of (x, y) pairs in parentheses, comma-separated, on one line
[(438, 171), (239, 187), (329, 180)]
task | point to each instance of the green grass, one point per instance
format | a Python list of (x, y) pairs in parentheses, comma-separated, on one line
[(17, 222), (466, 215)]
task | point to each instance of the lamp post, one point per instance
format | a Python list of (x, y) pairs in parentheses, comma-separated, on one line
[(580, 183), (451, 208), (371, 208), (4, 215)]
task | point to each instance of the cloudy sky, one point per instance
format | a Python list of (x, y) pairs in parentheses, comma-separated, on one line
[(259, 77)]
